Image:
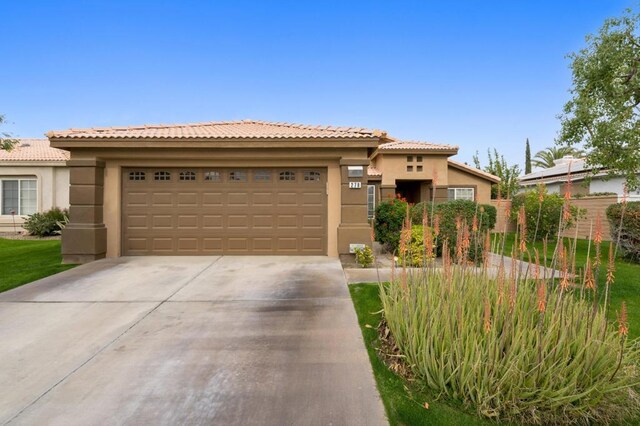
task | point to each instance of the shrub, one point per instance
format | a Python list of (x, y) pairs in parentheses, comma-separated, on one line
[(491, 215), (549, 211), (512, 349), (417, 255), (629, 232), (364, 256), (46, 223), (390, 215), (449, 214)]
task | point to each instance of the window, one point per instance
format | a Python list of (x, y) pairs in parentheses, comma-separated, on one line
[(288, 175), (262, 176), (19, 196), (212, 176), (137, 176), (461, 194), (371, 200), (238, 176), (355, 171), (311, 176), (409, 158), (189, 176), (409, 168), (418, 168), (419, 158), (162, 175)]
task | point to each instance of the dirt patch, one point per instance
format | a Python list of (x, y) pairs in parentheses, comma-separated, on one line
[(390, 354)]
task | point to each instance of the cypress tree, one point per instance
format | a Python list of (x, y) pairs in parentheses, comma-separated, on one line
[(527, 158)]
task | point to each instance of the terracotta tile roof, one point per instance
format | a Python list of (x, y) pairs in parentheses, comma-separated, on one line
[(416, 145), (243, 129), (473, 170), (372, 171), (37, 150)]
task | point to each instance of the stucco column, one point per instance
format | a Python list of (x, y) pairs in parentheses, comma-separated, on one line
[(387, 192), (84, 239), (354, 225)]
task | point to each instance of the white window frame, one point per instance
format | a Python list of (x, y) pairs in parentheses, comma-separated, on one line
[(20, 180), (371, 204), (455, 193)]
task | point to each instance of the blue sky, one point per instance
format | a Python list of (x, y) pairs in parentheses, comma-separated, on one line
[(478, 74)]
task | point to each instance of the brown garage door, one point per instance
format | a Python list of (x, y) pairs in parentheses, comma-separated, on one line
[(187, 211)]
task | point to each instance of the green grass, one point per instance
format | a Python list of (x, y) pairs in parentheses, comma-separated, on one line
[(24, 261), (627, 279), (403, 402)]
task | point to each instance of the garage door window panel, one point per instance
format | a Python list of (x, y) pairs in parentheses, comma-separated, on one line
[(262, 176), (311, 176), (238, 176), (137, 176), (212, 176), (187, 176), (287, 176), (162, 176)]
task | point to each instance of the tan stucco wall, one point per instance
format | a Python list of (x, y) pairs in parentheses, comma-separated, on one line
[(52, 187), (228, 158), (394, 167), (458, 178)]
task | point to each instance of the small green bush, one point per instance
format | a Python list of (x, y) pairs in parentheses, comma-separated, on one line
[(550, 212), (364, 256), (390, 215), (46, 223), (629, 232), (417, 255)]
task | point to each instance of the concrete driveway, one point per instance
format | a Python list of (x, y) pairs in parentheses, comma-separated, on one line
[(186, 340)]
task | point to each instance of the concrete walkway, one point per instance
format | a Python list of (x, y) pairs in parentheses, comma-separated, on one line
[(355, 275), (186, 340)]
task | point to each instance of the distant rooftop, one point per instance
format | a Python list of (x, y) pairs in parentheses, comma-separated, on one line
[(37, 150), (577, 167)]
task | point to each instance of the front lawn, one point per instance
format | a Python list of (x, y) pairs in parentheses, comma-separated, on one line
[(403, 402), (24, 261)]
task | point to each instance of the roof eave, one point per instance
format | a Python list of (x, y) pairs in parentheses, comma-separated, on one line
[(77, 142), (33, 163), (475, 172), (447, 152)]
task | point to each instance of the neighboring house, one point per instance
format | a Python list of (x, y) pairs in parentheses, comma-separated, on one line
[(33, 178), (555, 179), (242, 187)]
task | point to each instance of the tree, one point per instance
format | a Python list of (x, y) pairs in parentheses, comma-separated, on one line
[(527, 158), (546, 158), (603, 113), (7, 142), (508, 175)]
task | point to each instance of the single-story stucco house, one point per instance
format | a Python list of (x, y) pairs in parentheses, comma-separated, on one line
[(33, 178), (243, 187), (585, 179)]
